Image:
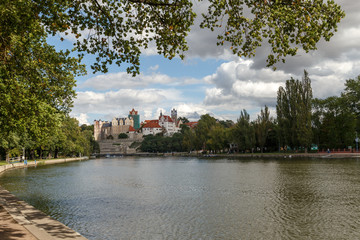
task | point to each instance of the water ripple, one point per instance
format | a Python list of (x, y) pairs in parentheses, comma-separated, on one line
[(142, 198)]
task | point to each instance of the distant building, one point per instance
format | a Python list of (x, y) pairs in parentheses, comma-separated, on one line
[(136, 118), (104, 129), (151, 127), (166, 124)]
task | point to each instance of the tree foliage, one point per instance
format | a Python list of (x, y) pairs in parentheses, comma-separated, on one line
[(243, 132), (294, 112), (334, 122), (160, 143), (352, 94), (116, 31), (262, 127), (285, 24), (202, 130), (216, 138), (36, 81), (123, 136)]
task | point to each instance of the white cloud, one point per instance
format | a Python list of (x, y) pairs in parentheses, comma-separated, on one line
[(82, 118), (154, 68), (124, 80), (238, 86), (118, 103)]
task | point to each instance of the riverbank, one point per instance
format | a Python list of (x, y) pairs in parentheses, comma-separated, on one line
[(249, 155), (20, 220)]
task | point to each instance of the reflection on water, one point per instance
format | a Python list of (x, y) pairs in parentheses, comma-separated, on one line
[(175, 198)]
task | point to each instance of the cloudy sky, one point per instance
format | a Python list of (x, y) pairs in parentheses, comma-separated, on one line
[(211, 80)]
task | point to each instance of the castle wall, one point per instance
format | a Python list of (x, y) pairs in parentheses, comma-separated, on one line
[(119, 146), (116, 130)]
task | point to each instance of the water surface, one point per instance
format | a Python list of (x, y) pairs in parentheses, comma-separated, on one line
[(190, 198)]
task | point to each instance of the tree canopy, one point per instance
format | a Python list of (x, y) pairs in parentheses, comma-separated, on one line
[(117, 31), (294, 112), (36, 81)]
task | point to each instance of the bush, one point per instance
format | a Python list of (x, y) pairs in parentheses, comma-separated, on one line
[(123, 136)]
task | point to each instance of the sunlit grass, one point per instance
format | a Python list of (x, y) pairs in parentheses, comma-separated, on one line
[(3, 163)]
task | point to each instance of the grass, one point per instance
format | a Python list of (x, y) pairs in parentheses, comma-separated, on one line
[(38, 161)]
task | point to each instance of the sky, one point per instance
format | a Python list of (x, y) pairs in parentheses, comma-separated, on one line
[(212, 80)]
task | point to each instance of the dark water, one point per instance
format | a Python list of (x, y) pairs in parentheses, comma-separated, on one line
[(163, 198)]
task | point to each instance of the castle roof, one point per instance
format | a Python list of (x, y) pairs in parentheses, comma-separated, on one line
[(166, 118), (133, 112), (191, 124), (151, 124)]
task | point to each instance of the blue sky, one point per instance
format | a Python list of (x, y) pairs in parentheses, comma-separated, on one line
[(212, 80)]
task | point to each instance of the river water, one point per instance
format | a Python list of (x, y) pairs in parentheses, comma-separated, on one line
[(190, 198)]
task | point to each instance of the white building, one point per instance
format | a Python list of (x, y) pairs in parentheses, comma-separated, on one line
[(151, 127), (166, 124)]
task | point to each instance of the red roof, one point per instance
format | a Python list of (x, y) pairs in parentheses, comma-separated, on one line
[(191, 124), (131, 129), (167, 118), (152, 124), (133, 112)]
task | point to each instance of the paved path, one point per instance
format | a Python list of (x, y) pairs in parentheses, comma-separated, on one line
[(19, 220), (10, 229)]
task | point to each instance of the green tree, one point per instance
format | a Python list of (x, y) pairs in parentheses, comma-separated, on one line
[(123, 136), (183, 120), (216, 138), (159, 143), (189, 139), (262, 127), (73, 142), (294, 112), (116, 31), (334, 122), (36, 81), (352, 94), (226, 123), (9, 142), (285, 24), (202, 129), (243, 133)]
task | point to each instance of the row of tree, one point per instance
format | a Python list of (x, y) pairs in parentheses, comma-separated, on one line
[(66, 138), (301, 121)]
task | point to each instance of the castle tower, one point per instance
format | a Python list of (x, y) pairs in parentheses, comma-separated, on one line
[(97, 129), (136, 118), (174, 116)]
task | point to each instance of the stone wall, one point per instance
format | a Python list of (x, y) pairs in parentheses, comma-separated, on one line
[(116, 130), (118, 146), (40, 162)]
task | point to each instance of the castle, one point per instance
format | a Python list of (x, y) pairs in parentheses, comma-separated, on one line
[(106, 130), (168, 125), (165, 124)]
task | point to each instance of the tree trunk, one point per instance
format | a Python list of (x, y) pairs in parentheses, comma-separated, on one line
[(7, 155)]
